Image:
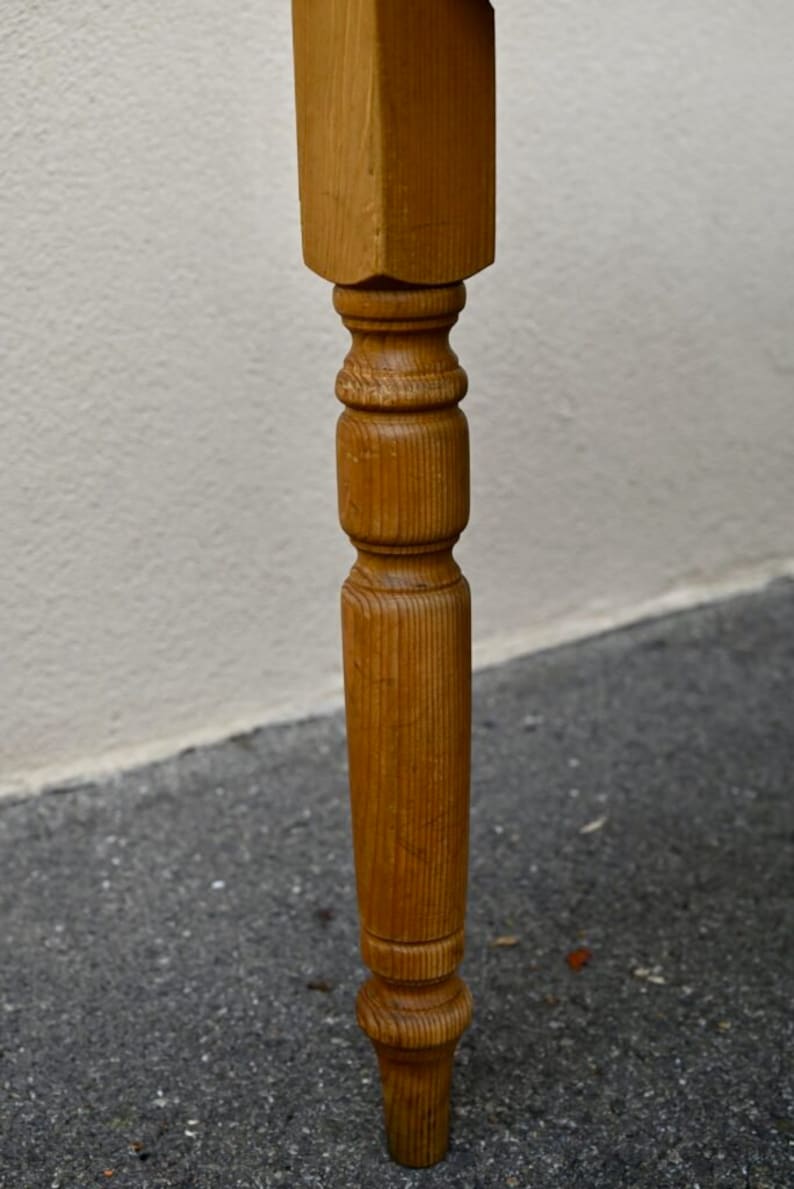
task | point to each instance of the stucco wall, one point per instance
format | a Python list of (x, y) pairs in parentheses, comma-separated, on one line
[(169, 552)]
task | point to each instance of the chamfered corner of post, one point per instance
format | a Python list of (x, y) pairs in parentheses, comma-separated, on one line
[(396, 138)]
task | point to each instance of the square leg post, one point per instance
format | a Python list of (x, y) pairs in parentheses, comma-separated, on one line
[(395, 109)]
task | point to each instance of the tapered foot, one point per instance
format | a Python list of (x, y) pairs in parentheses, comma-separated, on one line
[(415, 1031), (416, 1088)]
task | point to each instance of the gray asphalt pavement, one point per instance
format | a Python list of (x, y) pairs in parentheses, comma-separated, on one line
[(178, 954)]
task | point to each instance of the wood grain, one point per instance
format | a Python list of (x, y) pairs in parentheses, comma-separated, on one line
[(395, 112), (403, 466), (395, 107)]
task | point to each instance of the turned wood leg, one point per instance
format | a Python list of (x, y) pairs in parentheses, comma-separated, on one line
[(403, 459), (395, 106)]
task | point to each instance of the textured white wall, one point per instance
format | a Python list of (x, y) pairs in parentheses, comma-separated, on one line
[(169, 553)]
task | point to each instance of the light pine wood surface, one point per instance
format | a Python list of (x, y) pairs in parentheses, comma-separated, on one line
[(395, 113), (403, 467), (395, 108)]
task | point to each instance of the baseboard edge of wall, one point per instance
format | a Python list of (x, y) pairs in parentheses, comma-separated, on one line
[(567, 629), (595, 621)]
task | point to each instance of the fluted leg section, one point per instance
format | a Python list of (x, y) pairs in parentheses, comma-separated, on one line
[(403, 497)]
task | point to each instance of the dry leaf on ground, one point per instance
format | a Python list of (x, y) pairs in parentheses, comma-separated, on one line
[(579, 957), (591, 827)]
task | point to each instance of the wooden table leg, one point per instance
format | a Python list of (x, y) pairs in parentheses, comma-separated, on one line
[(403, 464), (395, 122)]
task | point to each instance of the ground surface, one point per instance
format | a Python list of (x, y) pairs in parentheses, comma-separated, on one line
[(178, 952)]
